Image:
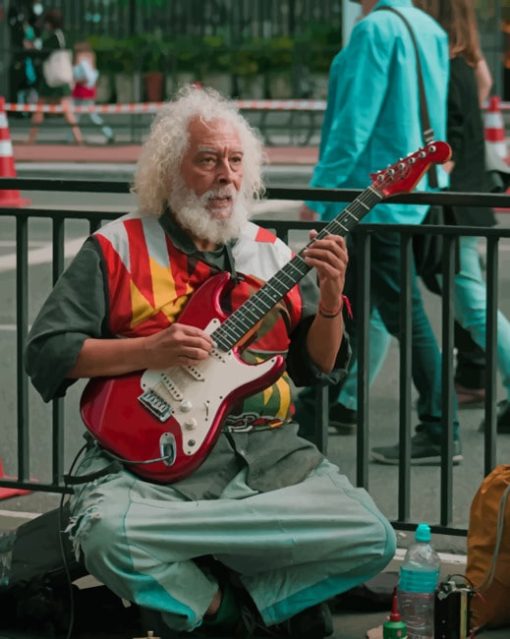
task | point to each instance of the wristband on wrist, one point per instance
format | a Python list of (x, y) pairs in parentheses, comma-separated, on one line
[(328, 313)]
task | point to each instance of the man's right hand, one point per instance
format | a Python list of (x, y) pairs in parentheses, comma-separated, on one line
[(177, 345)]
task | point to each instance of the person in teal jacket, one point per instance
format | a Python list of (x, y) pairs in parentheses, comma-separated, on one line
[(372, 119)]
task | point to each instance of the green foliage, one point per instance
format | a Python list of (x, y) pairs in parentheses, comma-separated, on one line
[(212, 54)]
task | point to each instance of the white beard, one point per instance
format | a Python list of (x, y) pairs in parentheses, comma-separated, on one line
[(192, 214)]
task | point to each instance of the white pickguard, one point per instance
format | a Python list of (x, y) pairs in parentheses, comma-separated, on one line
[(195, 394)]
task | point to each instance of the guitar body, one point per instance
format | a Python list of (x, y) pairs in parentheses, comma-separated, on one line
[(176, 413)]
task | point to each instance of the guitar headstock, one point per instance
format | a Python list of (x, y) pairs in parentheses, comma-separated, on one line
[(403, 176)]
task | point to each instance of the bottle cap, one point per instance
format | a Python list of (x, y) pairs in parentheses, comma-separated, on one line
[(394, 627), (423, 533)]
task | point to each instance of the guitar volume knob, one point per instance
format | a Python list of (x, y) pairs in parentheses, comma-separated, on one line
[(190, 424), (185, 406)]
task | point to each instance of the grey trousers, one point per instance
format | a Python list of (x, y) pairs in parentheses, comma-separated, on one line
[(292, 547)]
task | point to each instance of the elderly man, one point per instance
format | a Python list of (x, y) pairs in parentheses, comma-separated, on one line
[(264, 529)]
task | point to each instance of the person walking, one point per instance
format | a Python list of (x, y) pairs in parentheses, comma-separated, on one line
[(84, 91), (373, 115), (466, 137), (54, 41)]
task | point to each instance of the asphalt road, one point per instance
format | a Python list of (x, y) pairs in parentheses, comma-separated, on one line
[(383, 399)]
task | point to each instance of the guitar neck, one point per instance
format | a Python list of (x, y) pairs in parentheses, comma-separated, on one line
[(242, 320)]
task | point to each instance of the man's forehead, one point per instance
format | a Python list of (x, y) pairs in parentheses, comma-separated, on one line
[(208, 133)]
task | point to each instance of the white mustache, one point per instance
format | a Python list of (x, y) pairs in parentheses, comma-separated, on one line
[(224, 191)]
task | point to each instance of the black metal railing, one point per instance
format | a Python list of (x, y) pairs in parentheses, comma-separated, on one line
[(94, 219)]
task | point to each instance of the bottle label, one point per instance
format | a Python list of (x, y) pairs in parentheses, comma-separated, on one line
[(418, 580)]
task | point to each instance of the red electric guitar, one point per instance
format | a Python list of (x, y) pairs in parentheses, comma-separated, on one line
[(163, 423)]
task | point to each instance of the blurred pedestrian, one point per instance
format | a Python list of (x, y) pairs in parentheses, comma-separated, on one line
[(84, 91), (59, 94), (372, 117), (467, 90), (22, 70)]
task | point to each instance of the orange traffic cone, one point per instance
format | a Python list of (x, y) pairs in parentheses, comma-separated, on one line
[(7, 493), (7, 168), (495, 127)]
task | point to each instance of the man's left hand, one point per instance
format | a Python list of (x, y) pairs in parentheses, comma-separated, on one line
[(329, 257)]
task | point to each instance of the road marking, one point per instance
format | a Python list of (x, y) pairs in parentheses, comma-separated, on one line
[(42, 255), (12, 243), (18, 514)]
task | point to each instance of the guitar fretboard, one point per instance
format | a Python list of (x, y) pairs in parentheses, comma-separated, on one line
[(241, 321)]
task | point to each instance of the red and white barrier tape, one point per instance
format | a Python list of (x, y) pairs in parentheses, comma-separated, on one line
[(153, 107)]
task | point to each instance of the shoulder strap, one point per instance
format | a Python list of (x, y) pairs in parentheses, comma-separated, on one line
[(60, 38), (428, 132)]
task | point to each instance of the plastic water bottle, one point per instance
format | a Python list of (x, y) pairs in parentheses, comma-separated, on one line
[(419, 577)]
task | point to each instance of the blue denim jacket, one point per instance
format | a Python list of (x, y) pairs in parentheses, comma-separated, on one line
[(373, 114)]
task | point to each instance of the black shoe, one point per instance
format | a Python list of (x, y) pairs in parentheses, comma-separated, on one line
[(425, 451), (503, 419), (343, 419), (313, 623)]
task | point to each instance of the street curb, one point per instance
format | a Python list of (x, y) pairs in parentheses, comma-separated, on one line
[(281, 175)]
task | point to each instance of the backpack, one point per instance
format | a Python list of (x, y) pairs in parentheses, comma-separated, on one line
[(58, 68), (488, 550)]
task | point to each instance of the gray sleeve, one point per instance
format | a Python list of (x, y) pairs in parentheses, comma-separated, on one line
[(75, 310)]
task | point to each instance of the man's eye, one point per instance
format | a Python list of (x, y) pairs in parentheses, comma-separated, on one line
[(207, 161), (236, 160)]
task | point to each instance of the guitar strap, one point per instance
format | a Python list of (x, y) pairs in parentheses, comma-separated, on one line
[(428, 132), (231, 265)]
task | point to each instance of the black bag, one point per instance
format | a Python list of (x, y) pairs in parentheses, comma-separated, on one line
[(37, 597), (428, 249)]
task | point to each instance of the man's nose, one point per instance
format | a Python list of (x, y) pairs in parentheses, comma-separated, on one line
[(225, 174)]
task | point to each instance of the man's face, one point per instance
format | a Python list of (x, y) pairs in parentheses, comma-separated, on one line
[(213, 165)]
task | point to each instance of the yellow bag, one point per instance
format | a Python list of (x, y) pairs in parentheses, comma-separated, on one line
[(488, 550)]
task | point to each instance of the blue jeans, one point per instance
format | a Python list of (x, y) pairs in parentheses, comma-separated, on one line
[(470, 306), (385, 309)]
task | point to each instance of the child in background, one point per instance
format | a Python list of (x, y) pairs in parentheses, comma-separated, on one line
[(84, 90)]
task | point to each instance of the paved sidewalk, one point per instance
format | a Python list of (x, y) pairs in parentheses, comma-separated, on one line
[(128, 154)]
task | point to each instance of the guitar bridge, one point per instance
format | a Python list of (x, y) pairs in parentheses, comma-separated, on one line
[(155, 405)]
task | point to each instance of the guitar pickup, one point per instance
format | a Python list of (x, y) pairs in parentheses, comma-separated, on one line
[(171, 387), (155, 405), (195, 373)]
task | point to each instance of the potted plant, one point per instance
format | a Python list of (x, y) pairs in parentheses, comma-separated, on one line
[(246, 69), (280, 54), (153, 66), (189, 60), (124, 61), (217, 67)]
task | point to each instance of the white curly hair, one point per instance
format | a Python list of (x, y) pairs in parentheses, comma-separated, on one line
[(162, 153)]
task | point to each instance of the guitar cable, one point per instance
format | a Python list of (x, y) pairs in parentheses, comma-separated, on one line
[(61, 533)]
